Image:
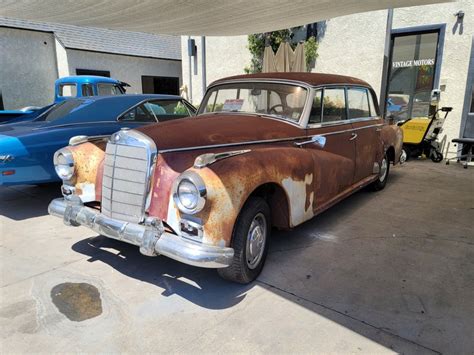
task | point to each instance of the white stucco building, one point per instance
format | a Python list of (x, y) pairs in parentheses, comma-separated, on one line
[(403, 53), (33, 55)]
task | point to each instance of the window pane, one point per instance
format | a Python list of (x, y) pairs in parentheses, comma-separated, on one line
[(358, 103), (87, 90), (411, 75), (167, 109), (68, 90), (315, 115), (334, 105), (373, 110), (138, 114), (108, 89)]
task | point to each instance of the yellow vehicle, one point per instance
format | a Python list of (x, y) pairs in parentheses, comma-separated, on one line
[(420, 135)]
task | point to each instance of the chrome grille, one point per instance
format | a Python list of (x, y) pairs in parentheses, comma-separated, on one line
[(128, 167)]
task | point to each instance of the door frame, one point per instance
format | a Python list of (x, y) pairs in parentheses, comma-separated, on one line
[(468, 93), (407, 31)]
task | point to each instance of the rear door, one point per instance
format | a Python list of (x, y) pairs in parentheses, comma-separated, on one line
[(366, 125), (334, 164)]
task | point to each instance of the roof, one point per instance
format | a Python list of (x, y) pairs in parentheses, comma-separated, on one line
[(86, 79), (104, 40), (313, 79), (128, 97), (203, 17)]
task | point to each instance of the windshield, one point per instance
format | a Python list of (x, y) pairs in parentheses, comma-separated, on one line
[(281, 100), (104, 89)]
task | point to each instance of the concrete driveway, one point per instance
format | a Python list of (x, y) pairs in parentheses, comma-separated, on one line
[(380, 272)]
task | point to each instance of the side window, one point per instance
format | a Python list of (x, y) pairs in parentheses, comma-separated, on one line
[(138, 114), (68, 90), (108, 89), (87, 90), (373, 109), (334, 105), (315, 115), (358, 103)]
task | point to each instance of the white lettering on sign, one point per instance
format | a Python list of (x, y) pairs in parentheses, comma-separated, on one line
[(412, 63)]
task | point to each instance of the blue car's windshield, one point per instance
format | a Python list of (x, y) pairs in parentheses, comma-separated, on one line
[(62, 109)]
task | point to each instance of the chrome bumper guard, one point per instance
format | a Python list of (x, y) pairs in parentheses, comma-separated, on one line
[(150, 237)]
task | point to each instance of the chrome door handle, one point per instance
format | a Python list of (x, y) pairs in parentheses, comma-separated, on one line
[(353, 136), (320, 141)]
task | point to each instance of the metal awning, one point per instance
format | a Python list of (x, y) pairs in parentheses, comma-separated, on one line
[(197, 17)]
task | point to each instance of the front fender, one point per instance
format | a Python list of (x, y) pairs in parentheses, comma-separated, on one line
[(231, 181)]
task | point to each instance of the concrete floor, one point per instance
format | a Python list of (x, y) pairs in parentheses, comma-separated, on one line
[(380, 272)]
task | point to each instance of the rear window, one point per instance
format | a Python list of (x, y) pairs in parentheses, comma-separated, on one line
[(62, 109)]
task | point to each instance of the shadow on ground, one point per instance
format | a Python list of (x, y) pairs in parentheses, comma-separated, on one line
[(391, 261), (27, 201)]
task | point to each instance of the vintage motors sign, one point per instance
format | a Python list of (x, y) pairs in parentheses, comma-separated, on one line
[(412, 63)]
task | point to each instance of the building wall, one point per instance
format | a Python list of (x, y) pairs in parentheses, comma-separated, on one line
[(457, 51), (225, 56), (122, 67), (354, 46), (27, 68)]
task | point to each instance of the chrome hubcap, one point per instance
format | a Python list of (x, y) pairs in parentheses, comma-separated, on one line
[(256, 239), (383, 170)]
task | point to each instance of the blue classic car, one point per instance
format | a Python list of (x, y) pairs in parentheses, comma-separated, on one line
[(27, 148), (65, 88)]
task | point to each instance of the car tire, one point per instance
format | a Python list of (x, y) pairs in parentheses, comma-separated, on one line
[(250, 240), (381, 181)]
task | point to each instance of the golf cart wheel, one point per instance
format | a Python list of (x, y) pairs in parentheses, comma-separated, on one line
[(381, 181), (250, 242), (407, 152), (436, 157)]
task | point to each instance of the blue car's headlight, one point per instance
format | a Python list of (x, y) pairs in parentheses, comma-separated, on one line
[(64, 164)]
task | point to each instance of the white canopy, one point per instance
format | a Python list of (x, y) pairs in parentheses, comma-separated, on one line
[(197, 17)]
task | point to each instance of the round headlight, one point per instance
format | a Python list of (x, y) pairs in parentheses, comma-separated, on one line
[(64, 164), (189, 193)]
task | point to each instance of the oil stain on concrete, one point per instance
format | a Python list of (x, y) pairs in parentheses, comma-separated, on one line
[(77, 301)]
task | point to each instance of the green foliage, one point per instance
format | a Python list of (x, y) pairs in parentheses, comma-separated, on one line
[(256, 47), (311, 52)]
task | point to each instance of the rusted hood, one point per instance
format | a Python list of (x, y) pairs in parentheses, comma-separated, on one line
[(217, 129)]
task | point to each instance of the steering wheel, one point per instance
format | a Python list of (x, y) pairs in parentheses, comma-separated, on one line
[(274, 107)]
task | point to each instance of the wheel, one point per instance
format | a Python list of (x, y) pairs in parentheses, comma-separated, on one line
[(436, 156), (380, 183), (250, 242), (407, 152)]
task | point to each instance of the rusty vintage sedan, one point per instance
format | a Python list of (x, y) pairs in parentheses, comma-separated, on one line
[(265, 151)]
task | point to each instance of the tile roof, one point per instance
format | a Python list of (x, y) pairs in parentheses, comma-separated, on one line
[(105, 40)]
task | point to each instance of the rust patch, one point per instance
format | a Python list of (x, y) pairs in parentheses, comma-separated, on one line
[(87, 158)]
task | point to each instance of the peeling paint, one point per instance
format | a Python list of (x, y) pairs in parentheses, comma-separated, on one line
[(297, 192)]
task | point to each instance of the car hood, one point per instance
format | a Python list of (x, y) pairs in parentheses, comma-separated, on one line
[(218, 129)]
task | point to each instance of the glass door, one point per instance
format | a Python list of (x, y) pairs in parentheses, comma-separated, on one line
[(411, 74)]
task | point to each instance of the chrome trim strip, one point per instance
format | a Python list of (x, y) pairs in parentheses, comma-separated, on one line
[(276, 140), (204, 160)]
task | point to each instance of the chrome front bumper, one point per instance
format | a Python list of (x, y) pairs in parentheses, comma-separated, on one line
[(150, 237)]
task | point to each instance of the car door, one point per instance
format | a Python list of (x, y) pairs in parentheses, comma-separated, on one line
[(334, 163), (367, 126)]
